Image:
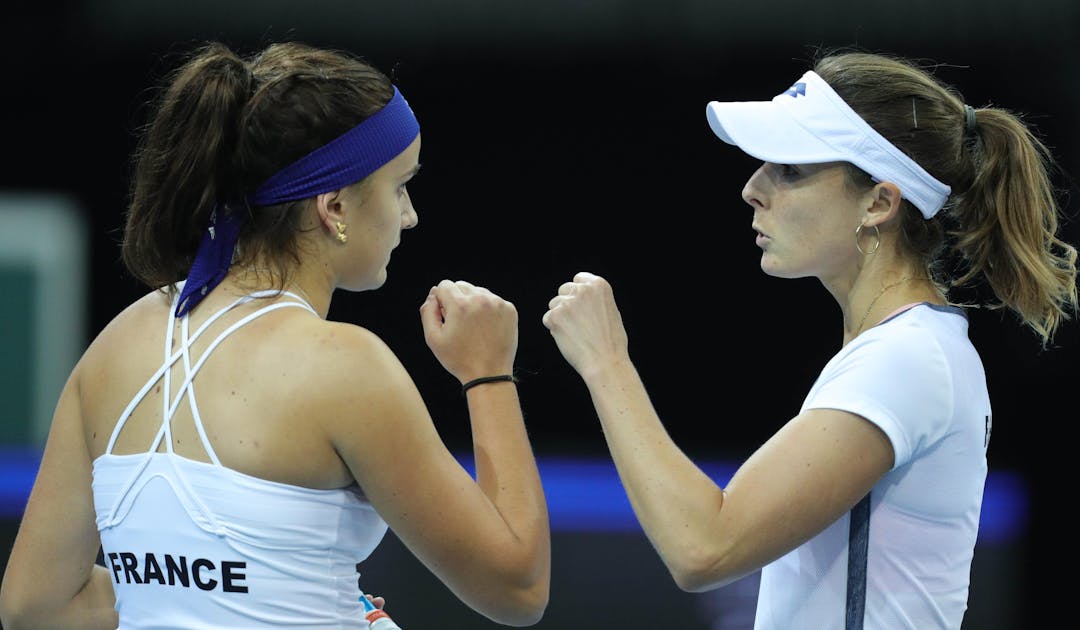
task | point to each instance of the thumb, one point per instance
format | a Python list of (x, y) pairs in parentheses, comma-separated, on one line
[(431, 313)]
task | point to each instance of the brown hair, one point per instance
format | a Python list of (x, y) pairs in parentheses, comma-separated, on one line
[(1000, 223), (221, 126)]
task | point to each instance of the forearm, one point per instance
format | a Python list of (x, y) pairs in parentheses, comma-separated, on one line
[(677, 504), (507, 473), (506, 468), (92, 607)]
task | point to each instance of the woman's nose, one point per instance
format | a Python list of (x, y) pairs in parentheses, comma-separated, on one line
[(409, 219), (752, 192)]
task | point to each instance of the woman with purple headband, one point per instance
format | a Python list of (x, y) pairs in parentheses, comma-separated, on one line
[(862, 511), (233, 455)]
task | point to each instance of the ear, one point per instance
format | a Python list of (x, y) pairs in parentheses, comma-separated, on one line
[(329, 210), (885, 201)]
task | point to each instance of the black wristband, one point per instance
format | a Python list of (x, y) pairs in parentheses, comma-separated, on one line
[(487, 379)]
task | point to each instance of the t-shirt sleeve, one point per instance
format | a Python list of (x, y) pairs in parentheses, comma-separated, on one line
[(900, 381)]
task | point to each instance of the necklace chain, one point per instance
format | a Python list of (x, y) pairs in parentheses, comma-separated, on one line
[(876, 297)]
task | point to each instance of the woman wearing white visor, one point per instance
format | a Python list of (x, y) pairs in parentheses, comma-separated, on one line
[(863, 509)]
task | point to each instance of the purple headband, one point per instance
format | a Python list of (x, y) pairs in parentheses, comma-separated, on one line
[(345, 160)]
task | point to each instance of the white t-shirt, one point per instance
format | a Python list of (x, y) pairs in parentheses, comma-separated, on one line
[(917, 377)]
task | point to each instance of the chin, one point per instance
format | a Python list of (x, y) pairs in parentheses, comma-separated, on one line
[(777, 271), (766, 266), (364, 284)]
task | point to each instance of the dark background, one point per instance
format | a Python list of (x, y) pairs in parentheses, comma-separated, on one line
[(565, 136)]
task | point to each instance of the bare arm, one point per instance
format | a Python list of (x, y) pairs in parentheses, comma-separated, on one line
[(805, 477), (487, 539), (52, 580)]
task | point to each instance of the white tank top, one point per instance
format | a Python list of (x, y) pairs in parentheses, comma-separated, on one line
[(197, 545)]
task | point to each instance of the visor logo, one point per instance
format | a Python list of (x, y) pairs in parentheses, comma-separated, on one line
[(796, 90)]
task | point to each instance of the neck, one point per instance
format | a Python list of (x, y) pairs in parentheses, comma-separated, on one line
[(315, 292), (890, 296), (299, 281)]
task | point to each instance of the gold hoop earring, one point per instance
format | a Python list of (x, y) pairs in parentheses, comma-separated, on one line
[(342, 237), (877, 243)]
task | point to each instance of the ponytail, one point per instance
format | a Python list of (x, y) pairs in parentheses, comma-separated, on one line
[(184, 164), (1008, 221)]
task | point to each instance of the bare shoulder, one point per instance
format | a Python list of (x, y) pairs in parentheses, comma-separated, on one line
[(358, 381), (355, 359), (136, 324)]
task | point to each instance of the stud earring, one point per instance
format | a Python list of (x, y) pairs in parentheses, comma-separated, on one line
[(342, 237)]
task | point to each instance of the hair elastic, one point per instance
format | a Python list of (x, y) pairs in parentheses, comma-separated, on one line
[(487, 379)]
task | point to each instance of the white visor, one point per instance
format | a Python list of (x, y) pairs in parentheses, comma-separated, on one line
[(809, 123)]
